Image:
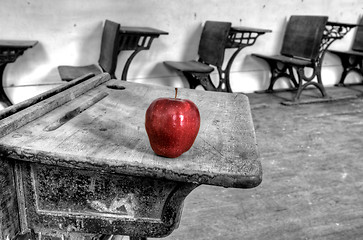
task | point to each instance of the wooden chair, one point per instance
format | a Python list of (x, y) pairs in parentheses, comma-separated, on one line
[(211, 55), (300, 50), (352, 59), (108, 56)]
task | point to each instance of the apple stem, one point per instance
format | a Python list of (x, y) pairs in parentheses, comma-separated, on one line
[(176, 92)]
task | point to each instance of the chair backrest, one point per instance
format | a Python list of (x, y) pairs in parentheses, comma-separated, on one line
[(213, 42), (109, 47), (303, 36), (358, 39)]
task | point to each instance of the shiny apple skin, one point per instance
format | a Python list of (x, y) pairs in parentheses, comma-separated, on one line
[(172, 125)]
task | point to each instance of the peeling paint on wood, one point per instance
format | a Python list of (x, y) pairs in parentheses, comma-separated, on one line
[(72, 200), (9, 216)]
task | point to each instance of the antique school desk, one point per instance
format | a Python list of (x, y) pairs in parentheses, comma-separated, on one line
[(76, 162), (332, 32), (136, 39), (10, 50), (238, 38)]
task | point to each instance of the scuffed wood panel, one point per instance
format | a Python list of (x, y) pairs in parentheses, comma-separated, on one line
[(62, 201), (84, 192), (9, 218)]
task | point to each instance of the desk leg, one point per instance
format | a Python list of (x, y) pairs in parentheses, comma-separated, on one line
[(224, 84), (3, 97), (279, 70), (127, 64)]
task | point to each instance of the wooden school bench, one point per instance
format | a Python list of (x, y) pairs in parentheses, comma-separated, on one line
[(306, 40), (115, 38), (216, 37)]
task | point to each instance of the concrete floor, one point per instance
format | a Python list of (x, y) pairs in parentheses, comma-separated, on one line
[(312, 188)]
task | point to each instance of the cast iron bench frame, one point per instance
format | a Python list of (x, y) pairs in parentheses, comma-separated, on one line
[(309, 54), (352, 59)]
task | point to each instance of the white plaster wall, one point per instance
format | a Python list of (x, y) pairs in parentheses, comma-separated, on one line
[(69, 32)]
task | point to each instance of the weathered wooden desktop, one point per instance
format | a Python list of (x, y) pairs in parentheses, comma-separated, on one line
[(76, 162)]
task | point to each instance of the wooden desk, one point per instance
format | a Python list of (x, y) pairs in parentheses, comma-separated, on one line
[(97, 174), (332, 32), (352, 59), (136, 39), (239, 38), (10, 50)]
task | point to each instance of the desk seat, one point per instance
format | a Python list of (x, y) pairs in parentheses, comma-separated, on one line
[(348, 52), (107, 60), (191, 66), (69, 73), (288, 60), (197, 73)]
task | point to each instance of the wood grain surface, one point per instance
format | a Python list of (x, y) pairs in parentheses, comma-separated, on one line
[(110, 136), (20, 117), (9, 216), (31, 101)]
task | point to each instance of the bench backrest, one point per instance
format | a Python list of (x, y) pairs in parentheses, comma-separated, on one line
[(303, 36), (358, 40), (109, 47), (213, 42)]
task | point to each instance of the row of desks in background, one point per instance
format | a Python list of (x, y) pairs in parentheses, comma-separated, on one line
[(137, 39), (241, 37), (134, 39)]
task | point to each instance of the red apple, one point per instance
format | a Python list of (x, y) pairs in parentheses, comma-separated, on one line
[(172, 124)]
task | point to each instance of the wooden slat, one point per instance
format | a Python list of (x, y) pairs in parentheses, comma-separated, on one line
[(74, 112), (111, 135), (31, 113), (24, 104)]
